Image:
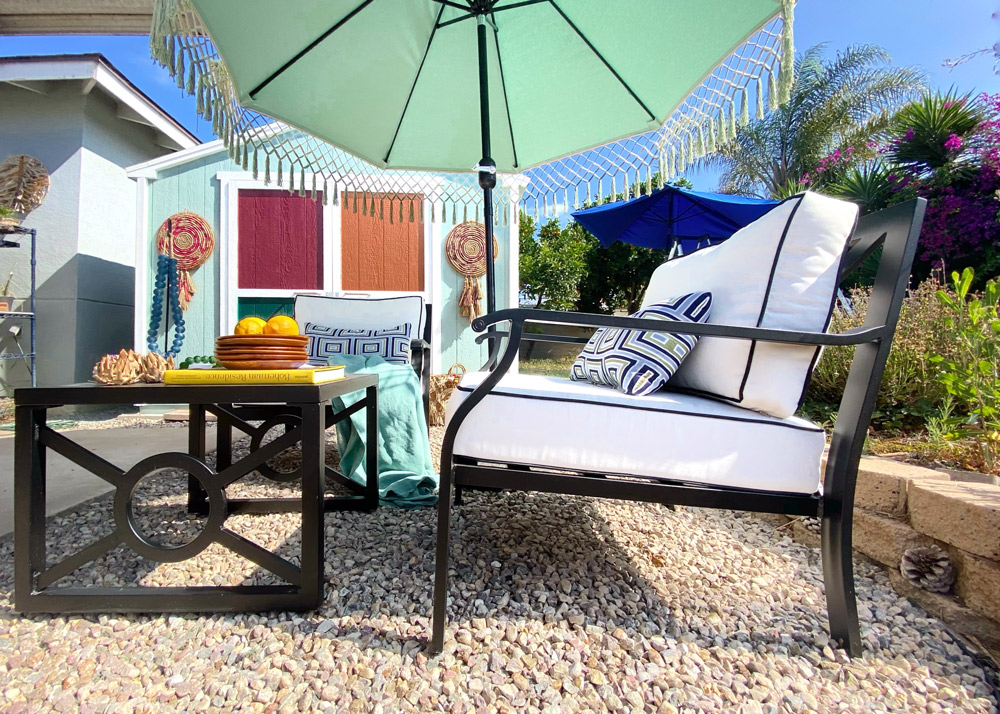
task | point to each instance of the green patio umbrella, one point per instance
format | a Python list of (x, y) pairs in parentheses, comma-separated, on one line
[(482, 85)]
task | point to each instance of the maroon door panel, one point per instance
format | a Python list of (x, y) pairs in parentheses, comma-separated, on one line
[(280, 240)]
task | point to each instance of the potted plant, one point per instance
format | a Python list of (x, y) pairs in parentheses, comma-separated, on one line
[(6, 299), (9, 218)]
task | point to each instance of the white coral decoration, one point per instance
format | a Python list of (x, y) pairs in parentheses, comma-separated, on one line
[(127, 367)]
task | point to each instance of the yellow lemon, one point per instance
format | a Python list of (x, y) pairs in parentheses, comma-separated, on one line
[(250, 326), (281, 325)]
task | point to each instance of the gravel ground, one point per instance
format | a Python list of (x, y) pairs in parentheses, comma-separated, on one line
[(558, 604)]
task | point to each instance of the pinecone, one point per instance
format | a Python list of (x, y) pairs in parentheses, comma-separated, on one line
[(928, 568), (812, 525)]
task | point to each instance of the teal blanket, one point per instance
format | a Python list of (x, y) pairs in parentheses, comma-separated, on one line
[(406, 477)]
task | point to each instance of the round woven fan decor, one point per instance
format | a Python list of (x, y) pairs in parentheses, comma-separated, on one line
[(187, 237), (23, 183), (465, 248)]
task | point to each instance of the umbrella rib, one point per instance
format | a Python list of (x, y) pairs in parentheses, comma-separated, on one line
[(413, 86), (604, 61), (309, 47), (503, 86)]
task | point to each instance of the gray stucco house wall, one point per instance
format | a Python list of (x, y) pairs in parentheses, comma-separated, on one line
[(85, 122)]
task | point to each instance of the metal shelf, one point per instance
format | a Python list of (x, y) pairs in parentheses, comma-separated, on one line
[(29, 315)]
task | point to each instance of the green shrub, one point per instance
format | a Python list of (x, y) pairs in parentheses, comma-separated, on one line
[(911, 389), (971, 373)]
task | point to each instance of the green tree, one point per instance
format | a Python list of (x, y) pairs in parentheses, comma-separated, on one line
[(846, 102), (616, 276), (551, 267)]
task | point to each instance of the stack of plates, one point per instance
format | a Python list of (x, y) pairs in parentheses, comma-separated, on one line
[(261, 351)]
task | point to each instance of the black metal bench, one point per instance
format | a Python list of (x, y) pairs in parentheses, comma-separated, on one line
[(896, 231)]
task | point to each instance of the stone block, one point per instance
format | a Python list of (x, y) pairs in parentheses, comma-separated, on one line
[(978, 582), (884, 539), (883, 484), (965, 515)]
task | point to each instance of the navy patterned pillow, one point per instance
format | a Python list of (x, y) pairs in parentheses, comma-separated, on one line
[(392, 344), (639, 362)]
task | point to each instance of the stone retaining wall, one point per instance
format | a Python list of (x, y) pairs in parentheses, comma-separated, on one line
[(900, 506)]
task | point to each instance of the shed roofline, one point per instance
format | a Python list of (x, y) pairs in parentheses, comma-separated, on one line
[(94, 70)]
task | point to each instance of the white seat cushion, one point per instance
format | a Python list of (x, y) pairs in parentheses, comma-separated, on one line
[(361, 313), (557, 423), (780, 272)]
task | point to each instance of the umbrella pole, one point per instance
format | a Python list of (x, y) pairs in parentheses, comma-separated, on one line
[(487, 168)]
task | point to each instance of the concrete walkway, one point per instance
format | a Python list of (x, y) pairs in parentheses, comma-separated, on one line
[(69, 484)]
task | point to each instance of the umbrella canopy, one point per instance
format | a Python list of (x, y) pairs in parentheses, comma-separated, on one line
[(396, 81), (672, 215), (417, 85)]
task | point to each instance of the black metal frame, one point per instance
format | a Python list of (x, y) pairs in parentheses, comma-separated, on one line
[(33, 575), (897, 230)]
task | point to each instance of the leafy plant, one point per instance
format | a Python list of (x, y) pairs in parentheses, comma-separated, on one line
[(972, 373), (7, 212), (551, 267), (911, 390), (867, 185), (835, 104), (5, 290), (934, 131)]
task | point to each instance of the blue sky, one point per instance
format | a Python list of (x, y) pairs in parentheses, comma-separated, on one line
[(923, 33)]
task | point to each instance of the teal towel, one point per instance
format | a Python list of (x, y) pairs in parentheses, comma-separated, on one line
[(406, 476)]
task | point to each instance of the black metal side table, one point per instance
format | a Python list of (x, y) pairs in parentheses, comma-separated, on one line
[(34, 576)]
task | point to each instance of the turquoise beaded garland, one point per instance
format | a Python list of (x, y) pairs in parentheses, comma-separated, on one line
[(166, 277)]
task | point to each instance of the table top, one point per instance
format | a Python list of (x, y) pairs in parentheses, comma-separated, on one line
[(89, 393)]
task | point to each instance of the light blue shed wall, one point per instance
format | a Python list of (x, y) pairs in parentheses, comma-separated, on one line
[(191, 187), (194, 187)]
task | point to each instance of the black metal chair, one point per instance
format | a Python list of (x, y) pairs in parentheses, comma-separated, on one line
[(896, 230)]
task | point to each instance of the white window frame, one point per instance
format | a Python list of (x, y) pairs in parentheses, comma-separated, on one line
[(229, 293)]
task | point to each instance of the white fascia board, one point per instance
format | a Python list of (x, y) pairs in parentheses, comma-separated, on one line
[(84, 69), (152, 168), (124, 94)]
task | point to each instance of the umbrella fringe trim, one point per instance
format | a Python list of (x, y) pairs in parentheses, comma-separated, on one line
[(705, 121)]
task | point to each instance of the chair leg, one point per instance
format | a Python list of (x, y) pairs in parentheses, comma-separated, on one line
[(438, 617), (838, 574), (458, 495)]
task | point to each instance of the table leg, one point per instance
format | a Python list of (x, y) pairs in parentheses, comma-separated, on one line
[(223, 444), (313, 505), (29, 502), (197, 498), (371, 448)]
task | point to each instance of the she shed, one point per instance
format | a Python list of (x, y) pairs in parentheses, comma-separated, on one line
[(271, 244)]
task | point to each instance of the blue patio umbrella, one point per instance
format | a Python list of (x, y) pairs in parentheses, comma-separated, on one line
[(673, 215)]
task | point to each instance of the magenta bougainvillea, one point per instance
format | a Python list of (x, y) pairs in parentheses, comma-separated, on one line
[(961, 227)]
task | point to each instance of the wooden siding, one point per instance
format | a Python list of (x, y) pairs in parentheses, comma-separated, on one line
[(280, 240), (194, 187), (381, 253)]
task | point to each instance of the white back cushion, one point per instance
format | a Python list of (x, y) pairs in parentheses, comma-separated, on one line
[(361, 313), (779, 272)]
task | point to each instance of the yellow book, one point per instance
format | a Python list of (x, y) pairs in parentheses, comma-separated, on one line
[(312, 375)]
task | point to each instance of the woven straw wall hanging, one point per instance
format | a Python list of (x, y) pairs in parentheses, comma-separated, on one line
[(187, 237), (465, 248), (24, 182)]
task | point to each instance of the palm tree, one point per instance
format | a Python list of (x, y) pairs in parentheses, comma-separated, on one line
[(836, 104)]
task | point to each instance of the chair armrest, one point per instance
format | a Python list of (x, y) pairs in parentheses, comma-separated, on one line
[(520, 316), (419, 345)]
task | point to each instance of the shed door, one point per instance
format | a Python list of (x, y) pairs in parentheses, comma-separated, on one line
[(377, 254), (280, 241)]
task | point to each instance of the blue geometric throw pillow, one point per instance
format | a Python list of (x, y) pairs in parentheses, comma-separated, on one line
[(392, 344), (638, 362)]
